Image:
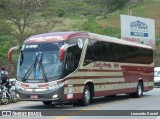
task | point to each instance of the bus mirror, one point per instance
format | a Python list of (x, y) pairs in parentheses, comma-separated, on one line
[(62, 51), (10, 52)]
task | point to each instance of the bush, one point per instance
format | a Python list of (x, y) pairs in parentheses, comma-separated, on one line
[(60, 12)]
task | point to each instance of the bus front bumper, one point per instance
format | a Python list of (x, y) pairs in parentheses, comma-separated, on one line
[(41, 94)]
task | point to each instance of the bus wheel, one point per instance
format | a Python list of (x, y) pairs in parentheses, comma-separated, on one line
[(86, 96), (139, 92), (47, 102)]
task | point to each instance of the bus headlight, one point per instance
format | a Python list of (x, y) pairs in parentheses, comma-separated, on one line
[(55, 96), (17, 96)]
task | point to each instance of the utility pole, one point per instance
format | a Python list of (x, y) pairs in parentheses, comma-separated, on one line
[(130, 12)]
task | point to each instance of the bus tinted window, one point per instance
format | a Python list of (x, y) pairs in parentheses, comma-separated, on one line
[(89, 57), (99, 51), (112, 52), (120, 53), (103, 51), (145, 55), (130, 54)]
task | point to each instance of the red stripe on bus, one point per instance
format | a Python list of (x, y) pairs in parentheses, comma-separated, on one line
[(88, 77), (134, 73), (77, 85), (114, 92), (93, 77), (94, 70), (138, 68)]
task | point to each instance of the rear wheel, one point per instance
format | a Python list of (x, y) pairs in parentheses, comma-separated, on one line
[(47, 102), (139, 92), (86, 96)]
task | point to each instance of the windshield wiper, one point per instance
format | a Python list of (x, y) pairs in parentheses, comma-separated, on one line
[(33, 68), (29, 71), (42, 68)]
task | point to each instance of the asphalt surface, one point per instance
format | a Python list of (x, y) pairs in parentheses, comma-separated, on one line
[(118, 107)]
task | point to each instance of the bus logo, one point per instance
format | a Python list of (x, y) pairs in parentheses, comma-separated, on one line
[(33, 86)]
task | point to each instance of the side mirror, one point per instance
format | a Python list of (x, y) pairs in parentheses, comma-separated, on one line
[(62, 51), (10, 52)]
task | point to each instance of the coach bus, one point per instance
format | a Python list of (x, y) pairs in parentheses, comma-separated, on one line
[(67, 66)]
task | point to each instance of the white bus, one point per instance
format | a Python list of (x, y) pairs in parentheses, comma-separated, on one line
[(67, 66)]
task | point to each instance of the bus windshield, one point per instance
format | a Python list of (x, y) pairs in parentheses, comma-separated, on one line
[(39, 62)]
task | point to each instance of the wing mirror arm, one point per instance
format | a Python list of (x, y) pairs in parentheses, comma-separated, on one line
[(11, 51), (62, 51)]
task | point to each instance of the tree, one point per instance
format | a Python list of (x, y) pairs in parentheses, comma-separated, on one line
[(5, 28), (20, 13)]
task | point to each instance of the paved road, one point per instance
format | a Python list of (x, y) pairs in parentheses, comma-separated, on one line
[(103, 105)]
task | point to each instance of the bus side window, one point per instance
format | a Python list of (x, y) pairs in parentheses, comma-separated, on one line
[(72, 59), (99, 51), (89, 57), (69, 67)]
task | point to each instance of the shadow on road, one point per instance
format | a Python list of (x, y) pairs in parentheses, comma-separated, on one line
[(75, 104)]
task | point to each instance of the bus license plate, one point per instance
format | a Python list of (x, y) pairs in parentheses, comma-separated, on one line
[(34, 96)]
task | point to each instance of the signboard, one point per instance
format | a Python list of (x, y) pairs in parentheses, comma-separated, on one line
[(138, 29)]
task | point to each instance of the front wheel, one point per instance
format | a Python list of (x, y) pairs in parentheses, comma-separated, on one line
[(86, 96)]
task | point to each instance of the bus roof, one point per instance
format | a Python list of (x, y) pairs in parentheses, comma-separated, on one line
[(54, 37), (116, 40), (63, 36)]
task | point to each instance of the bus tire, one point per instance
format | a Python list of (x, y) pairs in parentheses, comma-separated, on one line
[(139, 92), (47, 102), (86, 100)]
